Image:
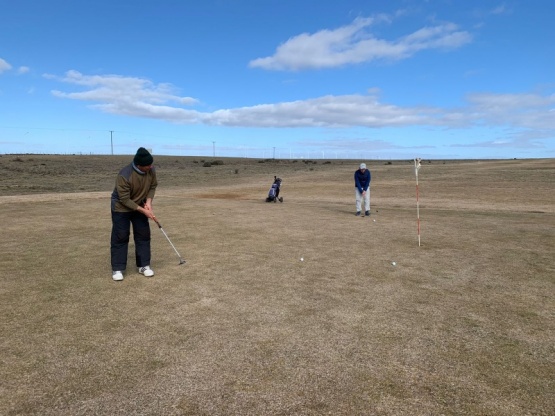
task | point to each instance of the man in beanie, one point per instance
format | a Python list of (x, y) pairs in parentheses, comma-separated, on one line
[(362, 189), (132, 205)]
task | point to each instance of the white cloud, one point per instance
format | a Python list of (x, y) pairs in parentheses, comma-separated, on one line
[(4, 66), (354, 43), (501, 9), (23, 69), (125, 95), (520, 139), (355, 143), (327, 111), (521, 110), (115, 87), (138, 97)]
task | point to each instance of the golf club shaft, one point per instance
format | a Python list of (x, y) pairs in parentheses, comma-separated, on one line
[(169, 241)]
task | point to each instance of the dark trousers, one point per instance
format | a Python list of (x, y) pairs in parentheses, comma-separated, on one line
[(119, 243)]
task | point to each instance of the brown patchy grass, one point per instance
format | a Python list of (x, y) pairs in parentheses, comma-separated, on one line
[(463, 324)]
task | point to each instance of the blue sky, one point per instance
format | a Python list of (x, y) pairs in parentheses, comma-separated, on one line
[(357, 79)]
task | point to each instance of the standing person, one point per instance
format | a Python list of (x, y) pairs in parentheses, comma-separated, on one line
[(362, 189), (131, 204)]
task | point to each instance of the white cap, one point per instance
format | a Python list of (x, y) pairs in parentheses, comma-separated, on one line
[(362, 166)]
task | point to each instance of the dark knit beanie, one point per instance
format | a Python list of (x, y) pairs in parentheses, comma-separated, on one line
[(143, 157)]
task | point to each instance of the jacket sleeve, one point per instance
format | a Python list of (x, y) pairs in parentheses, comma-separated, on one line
[(357, 182), (124, 192), (366, 180)]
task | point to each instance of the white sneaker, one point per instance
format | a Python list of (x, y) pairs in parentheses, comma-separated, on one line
[(147, 271), (117, 275)]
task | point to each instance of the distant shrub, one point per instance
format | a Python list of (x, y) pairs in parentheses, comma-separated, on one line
[(207, 164), (327, 162), (261, 161), (217, 162), (388, 163)]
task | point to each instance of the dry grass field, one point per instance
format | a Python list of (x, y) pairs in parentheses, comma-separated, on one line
[(462, 325)]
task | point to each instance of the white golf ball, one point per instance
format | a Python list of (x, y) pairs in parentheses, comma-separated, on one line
[(302, 259), (393, 263), (374, 220)]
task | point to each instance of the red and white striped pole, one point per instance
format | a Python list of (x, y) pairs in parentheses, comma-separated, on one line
[(416, 169)]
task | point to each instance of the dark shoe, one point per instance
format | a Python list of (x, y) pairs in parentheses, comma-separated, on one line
[(358, 214), (367, 213)]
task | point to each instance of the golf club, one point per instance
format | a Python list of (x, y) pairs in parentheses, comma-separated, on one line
[(181, 261)]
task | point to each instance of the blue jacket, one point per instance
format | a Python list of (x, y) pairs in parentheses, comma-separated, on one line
[(362, 180)]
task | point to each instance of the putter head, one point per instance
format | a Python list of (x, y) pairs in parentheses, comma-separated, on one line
[(181, 261)]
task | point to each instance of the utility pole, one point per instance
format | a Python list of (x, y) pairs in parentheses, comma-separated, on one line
[(112, 141)]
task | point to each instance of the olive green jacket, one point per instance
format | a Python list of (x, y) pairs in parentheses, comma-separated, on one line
[(132, 189)]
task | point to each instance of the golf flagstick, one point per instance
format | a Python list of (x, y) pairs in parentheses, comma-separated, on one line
[(181, 261), (416, 169)]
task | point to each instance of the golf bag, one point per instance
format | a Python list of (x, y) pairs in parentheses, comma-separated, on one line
[(273, 193)]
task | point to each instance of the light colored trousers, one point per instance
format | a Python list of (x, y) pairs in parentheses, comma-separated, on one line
[(359, 199)]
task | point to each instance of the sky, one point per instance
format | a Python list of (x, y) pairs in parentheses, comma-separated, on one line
[(301, 79)]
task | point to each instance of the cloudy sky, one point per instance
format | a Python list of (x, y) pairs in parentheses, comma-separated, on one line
[(360, 79)]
